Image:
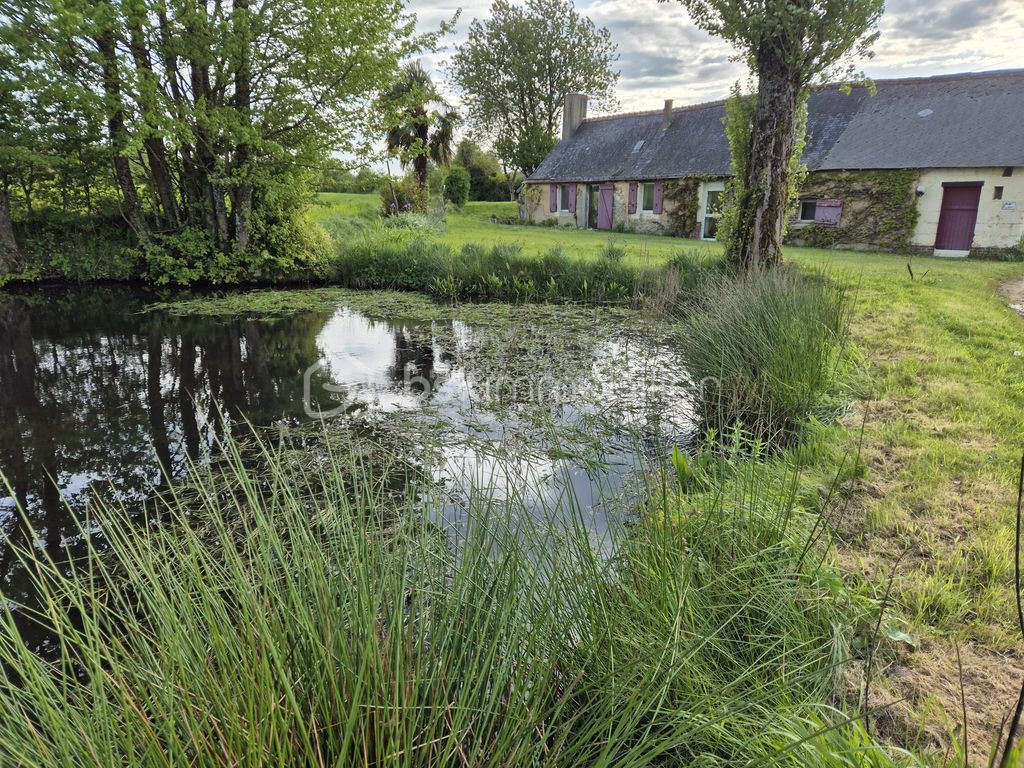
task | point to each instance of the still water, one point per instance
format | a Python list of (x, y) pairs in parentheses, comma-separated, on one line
[(101, 396)]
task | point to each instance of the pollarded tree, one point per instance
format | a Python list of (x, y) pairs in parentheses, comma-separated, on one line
[(515, 69), (789, 45), (422, 123)]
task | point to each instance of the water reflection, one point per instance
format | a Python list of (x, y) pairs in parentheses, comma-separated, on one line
[(99, 396)]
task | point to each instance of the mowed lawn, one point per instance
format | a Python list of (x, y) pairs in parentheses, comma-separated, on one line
[(474, 224), (939, 395)]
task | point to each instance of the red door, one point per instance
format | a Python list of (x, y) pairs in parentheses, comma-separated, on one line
[(957, 218), (606, 206)]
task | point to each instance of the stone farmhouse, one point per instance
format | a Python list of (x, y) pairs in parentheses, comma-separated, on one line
[(926, 164)]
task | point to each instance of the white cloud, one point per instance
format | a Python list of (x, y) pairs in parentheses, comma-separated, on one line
[(663, 55)]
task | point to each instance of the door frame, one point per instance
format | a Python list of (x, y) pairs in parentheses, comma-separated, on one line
[(593, 203), (957, 252)]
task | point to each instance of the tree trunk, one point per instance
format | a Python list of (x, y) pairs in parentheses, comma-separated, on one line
[(422, 136), (241, 198), (156, 152), (119, 137), (764, 201), (160, 170), (188, 176), (26, 189), (8, 242), (206, 159)]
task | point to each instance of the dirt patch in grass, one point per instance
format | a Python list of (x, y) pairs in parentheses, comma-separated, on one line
[(923, 704), (1013, 291)]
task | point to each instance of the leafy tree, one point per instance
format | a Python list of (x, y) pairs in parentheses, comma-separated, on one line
[(789, 45), (515, 69), (423, 124), (211, 120), (336, 176), (456, 185), (486, 180)]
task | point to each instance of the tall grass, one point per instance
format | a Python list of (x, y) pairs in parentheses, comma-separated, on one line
[(503, 272), (768, 349), (310, 617)]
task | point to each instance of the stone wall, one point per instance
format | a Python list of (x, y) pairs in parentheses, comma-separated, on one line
[(535, 208)]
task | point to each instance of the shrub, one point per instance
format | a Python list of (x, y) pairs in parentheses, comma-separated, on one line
[(766, 350), (403, 196), (420, 223), (394, 256), (456, 186), (612, 252), (181, 258), (75, 247)]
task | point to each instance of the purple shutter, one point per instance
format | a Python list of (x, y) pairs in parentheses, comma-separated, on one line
[(553, 204), (572, 198), (828, 212), (659, 197), (632, 196)]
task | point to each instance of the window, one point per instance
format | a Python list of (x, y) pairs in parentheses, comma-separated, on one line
[(712, 213), (563, 197), (647, 198), (998, 193), (808, 210), (1008, 171)]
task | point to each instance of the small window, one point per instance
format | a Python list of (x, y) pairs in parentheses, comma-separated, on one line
[(998, 193), (1008, 171), (808, 210), (563, 197), (647, 205)]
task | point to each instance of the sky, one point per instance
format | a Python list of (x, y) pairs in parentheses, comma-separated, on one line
[(664, 56)]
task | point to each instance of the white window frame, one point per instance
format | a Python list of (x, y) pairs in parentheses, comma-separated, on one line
[(641, 193), (702, 213), (563, 193), (800, 210)]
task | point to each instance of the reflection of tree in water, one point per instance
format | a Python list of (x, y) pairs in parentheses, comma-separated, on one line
[(417, 359), (95, 393)]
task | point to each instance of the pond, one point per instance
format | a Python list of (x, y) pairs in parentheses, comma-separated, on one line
[(101, 394)]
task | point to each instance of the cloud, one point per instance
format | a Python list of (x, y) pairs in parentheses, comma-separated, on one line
[(664, 55)]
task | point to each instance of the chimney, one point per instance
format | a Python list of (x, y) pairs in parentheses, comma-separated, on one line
[(666, 116), (575, 112)]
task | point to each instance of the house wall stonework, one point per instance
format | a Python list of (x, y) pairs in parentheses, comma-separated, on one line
[(1000, 222), (535, 208)]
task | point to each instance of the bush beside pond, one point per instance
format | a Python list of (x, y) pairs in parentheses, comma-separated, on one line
[(769, 349)]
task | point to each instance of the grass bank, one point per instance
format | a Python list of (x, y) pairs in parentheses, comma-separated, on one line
[(939, 419), (940, 399), (311, 617)]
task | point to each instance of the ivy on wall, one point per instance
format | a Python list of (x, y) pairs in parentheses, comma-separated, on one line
[(879, 209), (682, 203), (530, 200)]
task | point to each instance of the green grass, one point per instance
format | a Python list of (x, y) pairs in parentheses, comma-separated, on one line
[(343, 204), (769, 351), (940, 398), (308, 616), (472, 225)]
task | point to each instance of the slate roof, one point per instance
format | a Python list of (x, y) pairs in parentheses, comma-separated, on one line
[(951, 121)]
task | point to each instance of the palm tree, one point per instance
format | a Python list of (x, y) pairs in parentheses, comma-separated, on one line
[(424, 123)]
